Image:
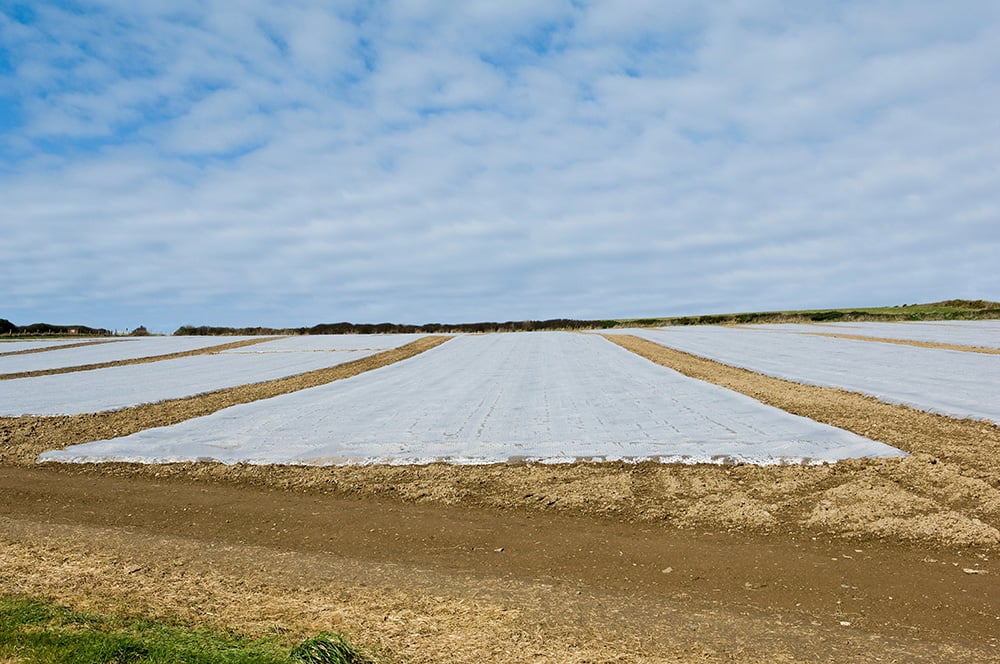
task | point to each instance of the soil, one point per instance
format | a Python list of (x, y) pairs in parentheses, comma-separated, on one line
[(890, 560), (439, 583)]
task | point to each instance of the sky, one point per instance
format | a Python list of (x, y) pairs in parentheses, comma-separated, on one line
[(172, 162)]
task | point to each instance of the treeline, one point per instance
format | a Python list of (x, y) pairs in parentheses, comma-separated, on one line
[(946, 310), (40, 329), (782, 317), (396, 328)]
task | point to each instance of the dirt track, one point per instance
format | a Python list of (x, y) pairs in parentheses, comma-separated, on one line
[(764, 563), (456, 583)]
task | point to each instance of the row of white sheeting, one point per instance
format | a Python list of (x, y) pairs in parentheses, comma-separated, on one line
[(547, 396), (955, 383), (114, 351), (119, 387), (330, 342), (19, 346), (980, 334)]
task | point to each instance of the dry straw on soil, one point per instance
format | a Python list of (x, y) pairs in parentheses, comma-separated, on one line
[(419, 616)]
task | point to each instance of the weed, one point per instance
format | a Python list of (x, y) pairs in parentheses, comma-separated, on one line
[(328, 648)]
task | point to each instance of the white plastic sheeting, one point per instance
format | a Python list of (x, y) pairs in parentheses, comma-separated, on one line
[(330, 342), (18, 346), (543, 396), (954, 383), (987, 322), (120, 349), (118, 387), (978, 333)]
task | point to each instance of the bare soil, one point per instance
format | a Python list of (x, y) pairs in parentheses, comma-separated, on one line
[(439, 583), (877, 560)]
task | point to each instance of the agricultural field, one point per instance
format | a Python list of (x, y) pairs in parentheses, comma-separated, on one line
[(535, 396), (12, 347), (787, 492), (104, 351), (977, 334), (130, 384), (895, 373)]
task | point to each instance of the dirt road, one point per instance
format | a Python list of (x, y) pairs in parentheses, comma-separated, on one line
[(431, 582)]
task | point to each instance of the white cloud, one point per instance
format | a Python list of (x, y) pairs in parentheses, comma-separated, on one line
[(287, 164)]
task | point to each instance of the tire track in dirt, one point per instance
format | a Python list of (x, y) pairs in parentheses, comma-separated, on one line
[(30, 351), (436, 583), (22, 439), (139, 360), (907, 342)]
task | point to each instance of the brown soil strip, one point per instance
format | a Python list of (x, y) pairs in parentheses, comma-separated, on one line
[(57, 347), (434, 583), (138, 360), (908, 342), (22, 439)]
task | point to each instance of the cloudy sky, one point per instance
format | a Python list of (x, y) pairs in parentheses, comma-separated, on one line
[(172, 162)]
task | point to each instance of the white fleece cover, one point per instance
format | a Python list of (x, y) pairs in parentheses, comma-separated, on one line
[(949, 382), (114, 350), (548, 396), (18, 346), (982, 334), (119, 387), (330, 342)]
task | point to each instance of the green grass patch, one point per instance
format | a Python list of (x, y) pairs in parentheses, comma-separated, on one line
[(33, 631), (947, 310), (327, 648)]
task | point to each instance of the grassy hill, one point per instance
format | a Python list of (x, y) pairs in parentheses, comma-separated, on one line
[(946, 310)]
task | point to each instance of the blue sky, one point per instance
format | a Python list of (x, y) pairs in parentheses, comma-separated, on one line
[(169, 162)]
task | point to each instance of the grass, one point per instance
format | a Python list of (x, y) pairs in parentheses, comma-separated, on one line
[(947, 310), (32, 630), (327, 648)]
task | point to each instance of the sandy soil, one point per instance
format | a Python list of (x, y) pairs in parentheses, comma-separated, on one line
[(437, 583), (138, 360), (889, 559)]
